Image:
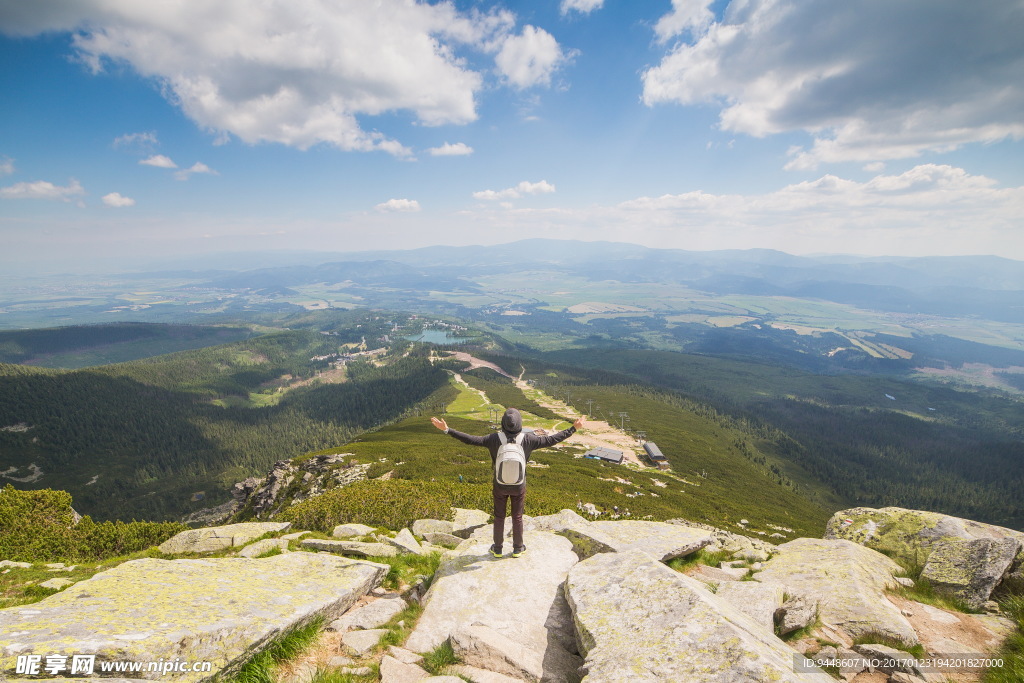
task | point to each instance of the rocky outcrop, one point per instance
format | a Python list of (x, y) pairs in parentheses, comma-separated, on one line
[(262, 496), (521, 600), (912, 536), (217, 610), (846, 581), (212, 539), (638, 620), (969, 569), (752, 549), (659, 540)]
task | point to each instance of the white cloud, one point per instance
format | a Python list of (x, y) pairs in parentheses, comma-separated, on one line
[(869, 84), (160, 161), (451, 150), (42, 189), (136, 140), (295, 72), (686, 16), (581, 6), (6, 166), (524, 187), (198, 167), (530, 58), (402, 205), (117, 200)]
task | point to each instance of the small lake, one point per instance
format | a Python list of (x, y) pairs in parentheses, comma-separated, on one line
[(436, 337)]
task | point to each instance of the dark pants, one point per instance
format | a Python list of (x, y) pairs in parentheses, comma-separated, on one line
[(518, 503)]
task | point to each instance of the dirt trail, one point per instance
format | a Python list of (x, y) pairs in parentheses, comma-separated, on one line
[(595, 433), (475, 362)]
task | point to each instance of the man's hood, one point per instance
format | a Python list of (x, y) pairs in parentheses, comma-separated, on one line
[(512, 421)]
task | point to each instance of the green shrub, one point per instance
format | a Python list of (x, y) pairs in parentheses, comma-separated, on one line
[(39, 526)]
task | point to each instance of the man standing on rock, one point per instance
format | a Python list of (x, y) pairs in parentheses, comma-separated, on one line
[(504, 443)]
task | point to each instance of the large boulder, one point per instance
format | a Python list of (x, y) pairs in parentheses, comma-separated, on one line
[(219, 610), (970, 569), (212, 539), (521, 599), (847, 582), (640, 621), (911, 535)]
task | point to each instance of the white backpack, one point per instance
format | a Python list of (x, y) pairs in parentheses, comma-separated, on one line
[(510, 465)]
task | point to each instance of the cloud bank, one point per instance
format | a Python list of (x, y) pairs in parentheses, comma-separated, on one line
[(853, 75)]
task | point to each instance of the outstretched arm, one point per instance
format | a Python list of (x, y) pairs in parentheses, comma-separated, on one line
[(552, 439), (464, 438)]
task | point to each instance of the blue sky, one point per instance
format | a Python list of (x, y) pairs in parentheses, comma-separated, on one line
[(141, 130)]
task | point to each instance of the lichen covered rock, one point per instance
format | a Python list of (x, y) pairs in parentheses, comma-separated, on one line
[(217, 610), (845, 580), (640, 621), (969, 569), (520, 598), (911, 535)]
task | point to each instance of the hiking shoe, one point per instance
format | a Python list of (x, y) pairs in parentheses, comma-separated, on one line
[(518, 550), (495, 550)]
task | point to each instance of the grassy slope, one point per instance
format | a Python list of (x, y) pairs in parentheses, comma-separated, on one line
[(426, 465)]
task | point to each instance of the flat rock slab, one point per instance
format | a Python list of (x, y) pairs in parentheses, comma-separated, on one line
[(212, 539), (351, 530), (661, 541), (376, 613), (519, 598), (359, 643), (395, 671), (219, 610), (351, 547), (638, 620), (757, 600), (846, 581)]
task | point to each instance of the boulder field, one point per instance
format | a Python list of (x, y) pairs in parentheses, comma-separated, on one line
[(588, 601)]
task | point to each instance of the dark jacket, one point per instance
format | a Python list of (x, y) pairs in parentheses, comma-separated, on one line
[(511, 425)]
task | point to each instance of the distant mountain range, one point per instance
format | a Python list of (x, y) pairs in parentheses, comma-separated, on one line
[(985, 286)]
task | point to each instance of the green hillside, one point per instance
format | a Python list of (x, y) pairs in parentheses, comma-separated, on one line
[(866, 440), (719, 476), (82, 346), (157, 438)]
